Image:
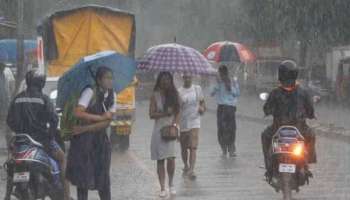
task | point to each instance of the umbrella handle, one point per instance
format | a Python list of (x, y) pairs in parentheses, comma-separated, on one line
[(104, 107)]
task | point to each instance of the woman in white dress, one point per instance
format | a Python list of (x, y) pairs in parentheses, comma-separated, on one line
[(164, 109)]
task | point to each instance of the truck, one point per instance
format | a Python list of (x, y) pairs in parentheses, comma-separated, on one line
[(69, 35)]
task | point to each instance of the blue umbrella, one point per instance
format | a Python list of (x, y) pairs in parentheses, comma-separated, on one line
[(83, 73), (9, 47)]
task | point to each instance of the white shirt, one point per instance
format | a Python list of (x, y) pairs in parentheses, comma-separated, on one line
[(10, 79), (190, 100), (87, 95), (6, 88)]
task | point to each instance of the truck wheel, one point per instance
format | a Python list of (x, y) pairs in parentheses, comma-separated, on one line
[(124, 142), (120, 142)]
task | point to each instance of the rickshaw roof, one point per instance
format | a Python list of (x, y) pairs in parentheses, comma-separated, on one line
[(93, 7), (69, 35)]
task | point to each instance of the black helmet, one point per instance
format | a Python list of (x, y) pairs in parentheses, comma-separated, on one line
[(35, 79), (288, 72)]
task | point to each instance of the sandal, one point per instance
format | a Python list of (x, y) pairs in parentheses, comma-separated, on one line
[(192, 175), (185, 170)]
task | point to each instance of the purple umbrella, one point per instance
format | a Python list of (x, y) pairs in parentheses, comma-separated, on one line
[(177, 59)]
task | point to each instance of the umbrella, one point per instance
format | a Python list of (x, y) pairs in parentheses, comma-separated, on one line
[(9, 47), (83, 73), (228, 52), (175, 58)]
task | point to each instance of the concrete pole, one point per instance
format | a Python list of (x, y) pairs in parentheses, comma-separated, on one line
[(21, 69)]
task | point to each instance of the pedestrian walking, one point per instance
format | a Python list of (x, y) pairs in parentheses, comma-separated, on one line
[(192, 107), (6, 88), (226, 92), (164, 109), (89, 158)]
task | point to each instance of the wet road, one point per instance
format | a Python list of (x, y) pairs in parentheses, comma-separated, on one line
[(225, 178), (134, 174)]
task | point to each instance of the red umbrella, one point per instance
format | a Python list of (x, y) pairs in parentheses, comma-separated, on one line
[(226, 51)]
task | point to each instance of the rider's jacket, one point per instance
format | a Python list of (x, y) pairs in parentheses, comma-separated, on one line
[(31, 112), (289, 106)]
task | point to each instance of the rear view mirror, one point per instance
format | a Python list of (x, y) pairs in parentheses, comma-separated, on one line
[(53, 95), (264, 96)]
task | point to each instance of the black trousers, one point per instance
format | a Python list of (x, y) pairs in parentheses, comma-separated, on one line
[(306, 131), (226, 124), (105, 194)]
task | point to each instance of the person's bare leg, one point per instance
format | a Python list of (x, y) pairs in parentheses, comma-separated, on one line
[(193, 156), (184, 154), (193, 150), (171, 170), (60, 157), (161, 174)]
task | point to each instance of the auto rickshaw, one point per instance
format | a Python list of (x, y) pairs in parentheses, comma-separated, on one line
[(69, 35)]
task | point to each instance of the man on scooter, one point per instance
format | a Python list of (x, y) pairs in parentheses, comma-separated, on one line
[(289, 104), (31, 112)]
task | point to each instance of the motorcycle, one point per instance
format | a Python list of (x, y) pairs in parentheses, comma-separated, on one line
[(31, 172), (288, 160)]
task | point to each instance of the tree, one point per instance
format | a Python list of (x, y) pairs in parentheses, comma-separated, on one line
[(321, 22)]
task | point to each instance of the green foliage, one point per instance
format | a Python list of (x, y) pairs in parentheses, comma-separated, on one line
[(68, 119)]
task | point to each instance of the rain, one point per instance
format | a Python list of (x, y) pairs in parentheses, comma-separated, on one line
[(223, 57)]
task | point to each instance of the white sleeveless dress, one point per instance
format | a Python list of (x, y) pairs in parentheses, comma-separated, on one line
[(161, 149)]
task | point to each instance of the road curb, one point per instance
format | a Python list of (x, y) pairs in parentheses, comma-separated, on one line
[(325, 130), (329, 131), (332, 132)]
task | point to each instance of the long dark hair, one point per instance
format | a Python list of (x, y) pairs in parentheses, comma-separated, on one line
[(171, 94), (223, 70), (101, 71)]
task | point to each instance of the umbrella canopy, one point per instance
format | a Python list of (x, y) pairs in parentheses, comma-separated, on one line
[(9, 47), (228, 52), (175, 58), (83, 74)]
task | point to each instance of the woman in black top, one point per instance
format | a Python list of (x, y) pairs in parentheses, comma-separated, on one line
[(89, 155)]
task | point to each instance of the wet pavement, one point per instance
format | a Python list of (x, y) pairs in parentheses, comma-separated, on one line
[(134, 174), (230, 178)]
